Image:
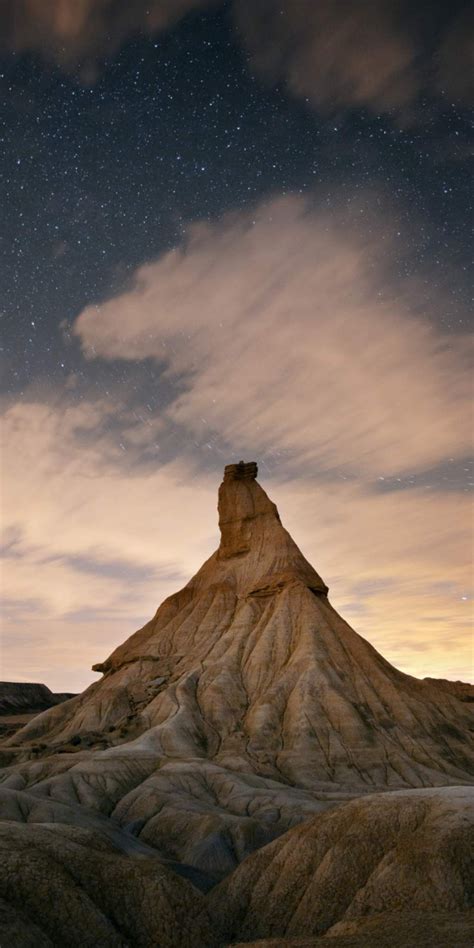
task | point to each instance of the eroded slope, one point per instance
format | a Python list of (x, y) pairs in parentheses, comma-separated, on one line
[(389, 854), (244, 706)]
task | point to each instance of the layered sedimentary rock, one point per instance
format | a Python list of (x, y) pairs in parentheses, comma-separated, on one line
[(249, 664), (244, 709), (20, 701), (65, 885), (244, 706), (401, 855)]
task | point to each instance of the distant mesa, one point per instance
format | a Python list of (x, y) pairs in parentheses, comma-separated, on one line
[(28, 696), (20, 701)]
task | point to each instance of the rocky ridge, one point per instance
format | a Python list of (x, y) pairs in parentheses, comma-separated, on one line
[(401, 853), (29, 697), (245, 707), (21, 701)]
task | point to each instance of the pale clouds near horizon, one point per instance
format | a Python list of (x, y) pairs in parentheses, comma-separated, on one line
[(92, 552), (88, 551), (281, 334)]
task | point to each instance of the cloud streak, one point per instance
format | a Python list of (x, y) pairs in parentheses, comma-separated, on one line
[(77, 34), (285, 334), (93, 550), (333, 54), (398, 565), (83, 534), (354, 53), (280, 338)]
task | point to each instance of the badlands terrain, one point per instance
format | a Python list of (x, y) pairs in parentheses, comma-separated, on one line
[(20, 701), (247, 767)]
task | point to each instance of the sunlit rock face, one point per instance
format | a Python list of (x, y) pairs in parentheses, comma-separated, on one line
[(246, 706), (250, 663)]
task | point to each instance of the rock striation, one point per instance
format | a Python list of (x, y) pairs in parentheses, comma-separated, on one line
[(245, 707), (65, 885), (255, 620), (395, 855)]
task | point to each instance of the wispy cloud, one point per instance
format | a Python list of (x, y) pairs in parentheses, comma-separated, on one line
[(286, 334), (77, 34), (333, 55), (85, 535), (398, 566), (455, 58), (282, 339), (360, 53), (98, 549)]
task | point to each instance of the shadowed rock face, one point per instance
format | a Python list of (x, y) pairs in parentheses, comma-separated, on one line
[(21, 701), (394, 857), (387, 930), (244, 706), (25, 696), (64, 885)]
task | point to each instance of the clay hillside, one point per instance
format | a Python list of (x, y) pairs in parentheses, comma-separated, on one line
[(245, 707)]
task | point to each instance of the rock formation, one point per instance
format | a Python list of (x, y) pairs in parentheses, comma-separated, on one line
[(64, 885), (396, 854), (388, 930), (250, 666), (243, 708), (28, 697), (20, 701)]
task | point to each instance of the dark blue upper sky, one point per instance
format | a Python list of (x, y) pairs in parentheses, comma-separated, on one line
[(97, 178)]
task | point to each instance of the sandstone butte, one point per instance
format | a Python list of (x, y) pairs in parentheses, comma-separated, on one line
[(245, 736)]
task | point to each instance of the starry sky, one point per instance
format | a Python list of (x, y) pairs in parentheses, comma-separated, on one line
[(234, 229)]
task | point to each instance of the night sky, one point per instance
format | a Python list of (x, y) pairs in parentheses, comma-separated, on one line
[(297, 186)]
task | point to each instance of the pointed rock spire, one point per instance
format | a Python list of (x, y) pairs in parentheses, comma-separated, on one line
[(242, 505), (249, 668), (255, 548)]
